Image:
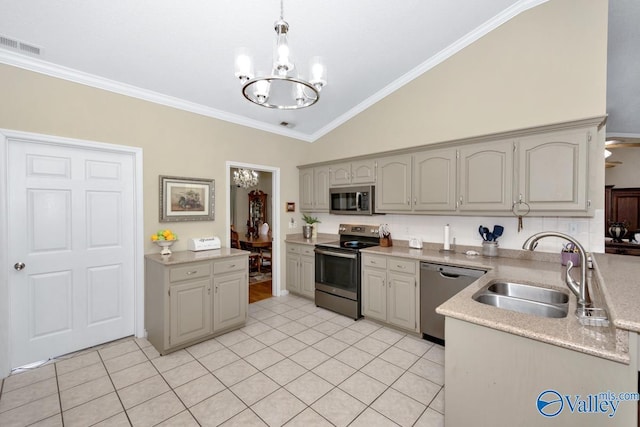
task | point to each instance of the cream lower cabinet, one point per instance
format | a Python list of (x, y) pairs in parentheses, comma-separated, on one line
[(301, 269), (189, 302), (230, 293), (190, 310), (390, 291)]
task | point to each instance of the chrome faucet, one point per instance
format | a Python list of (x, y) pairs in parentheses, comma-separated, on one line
[(578, 288)]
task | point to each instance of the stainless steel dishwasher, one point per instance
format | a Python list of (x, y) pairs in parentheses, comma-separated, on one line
[(438, 283)]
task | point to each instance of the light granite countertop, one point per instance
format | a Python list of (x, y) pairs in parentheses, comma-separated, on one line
[(322, 238), (619, 276), (615, 273), (181, 257)]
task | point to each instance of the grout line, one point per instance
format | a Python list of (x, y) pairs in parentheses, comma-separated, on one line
[(291, 304), (115, 390)]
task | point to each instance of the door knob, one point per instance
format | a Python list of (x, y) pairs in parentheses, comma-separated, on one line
[(19, 265)]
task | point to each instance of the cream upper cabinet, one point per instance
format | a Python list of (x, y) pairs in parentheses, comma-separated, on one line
[(357, 172), (340, 174), (547, 168), (307, 190), (552, 171), (393, 190), (420, 182), (314, 189), (434, 180), (321, 178), (486, 176)]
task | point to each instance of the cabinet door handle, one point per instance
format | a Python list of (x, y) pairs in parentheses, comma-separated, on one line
[(409, 202), (189, 273), (209, 291), (401, 266), (232, 266)]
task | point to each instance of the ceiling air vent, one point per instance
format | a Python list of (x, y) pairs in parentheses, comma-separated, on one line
[(5, 41), (18, 45)]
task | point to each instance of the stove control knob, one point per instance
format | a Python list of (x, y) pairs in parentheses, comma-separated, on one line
[(374, 231)]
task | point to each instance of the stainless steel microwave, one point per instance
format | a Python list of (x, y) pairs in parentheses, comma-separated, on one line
[(352, 200)]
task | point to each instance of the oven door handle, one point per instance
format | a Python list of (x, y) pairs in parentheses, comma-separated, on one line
[(338, 254)]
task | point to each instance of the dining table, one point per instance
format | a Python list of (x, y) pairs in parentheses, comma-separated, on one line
[(260, 242)]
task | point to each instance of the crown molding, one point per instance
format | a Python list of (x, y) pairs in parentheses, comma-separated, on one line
[(75, 76), (440, 57)]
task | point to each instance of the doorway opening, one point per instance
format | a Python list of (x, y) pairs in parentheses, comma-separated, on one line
[(248, 210)]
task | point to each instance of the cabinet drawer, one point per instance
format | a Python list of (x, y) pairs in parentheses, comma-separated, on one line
[(374, 261), (307, 250), (402, 266), (293, 249), (190, 271), (234, 264)]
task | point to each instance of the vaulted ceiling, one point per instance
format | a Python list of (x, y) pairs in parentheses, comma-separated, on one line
[(181, 53)]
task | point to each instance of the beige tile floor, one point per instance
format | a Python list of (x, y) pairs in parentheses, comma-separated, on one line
[(293, 364)]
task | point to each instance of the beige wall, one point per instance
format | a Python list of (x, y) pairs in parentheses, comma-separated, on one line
[(546, 65), (174, 142), (627, 174)]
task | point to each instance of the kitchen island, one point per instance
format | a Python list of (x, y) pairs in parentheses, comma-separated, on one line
[(498, 362)]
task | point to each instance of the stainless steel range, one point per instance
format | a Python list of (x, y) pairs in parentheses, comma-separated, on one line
[(338, 269)]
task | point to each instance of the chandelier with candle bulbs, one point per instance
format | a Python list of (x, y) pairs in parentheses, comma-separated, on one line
[(281, 89), (245, 178)]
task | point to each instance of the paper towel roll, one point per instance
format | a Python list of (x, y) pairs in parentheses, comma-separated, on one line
[(446, 238)]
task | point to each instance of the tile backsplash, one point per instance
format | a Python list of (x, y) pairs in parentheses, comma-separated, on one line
[(588, 231)]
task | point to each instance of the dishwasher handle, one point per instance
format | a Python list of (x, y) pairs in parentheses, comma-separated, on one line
[(450, 271), (449, 275)]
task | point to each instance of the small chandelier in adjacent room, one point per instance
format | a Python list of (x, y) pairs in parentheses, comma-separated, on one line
[(245, 178), (281, 89)]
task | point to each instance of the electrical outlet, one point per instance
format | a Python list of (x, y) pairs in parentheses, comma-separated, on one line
[(573, 228), (292, 223)]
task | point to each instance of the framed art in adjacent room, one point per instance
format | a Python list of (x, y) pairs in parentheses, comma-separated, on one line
[(186, 199)]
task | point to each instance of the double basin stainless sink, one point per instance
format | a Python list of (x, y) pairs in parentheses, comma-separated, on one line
[(523, 298)]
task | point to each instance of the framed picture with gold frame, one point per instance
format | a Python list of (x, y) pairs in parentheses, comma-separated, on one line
[(186, 199)]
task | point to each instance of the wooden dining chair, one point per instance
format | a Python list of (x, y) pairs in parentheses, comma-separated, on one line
[(265, 260), (254, 258)]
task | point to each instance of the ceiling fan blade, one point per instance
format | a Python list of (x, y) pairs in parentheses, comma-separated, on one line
[(612, 164), (621, 142), (623, 145)]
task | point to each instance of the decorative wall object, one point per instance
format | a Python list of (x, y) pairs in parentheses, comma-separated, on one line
[(186, 199)]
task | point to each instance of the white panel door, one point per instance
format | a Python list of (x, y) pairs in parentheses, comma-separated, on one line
[(71, 223)]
